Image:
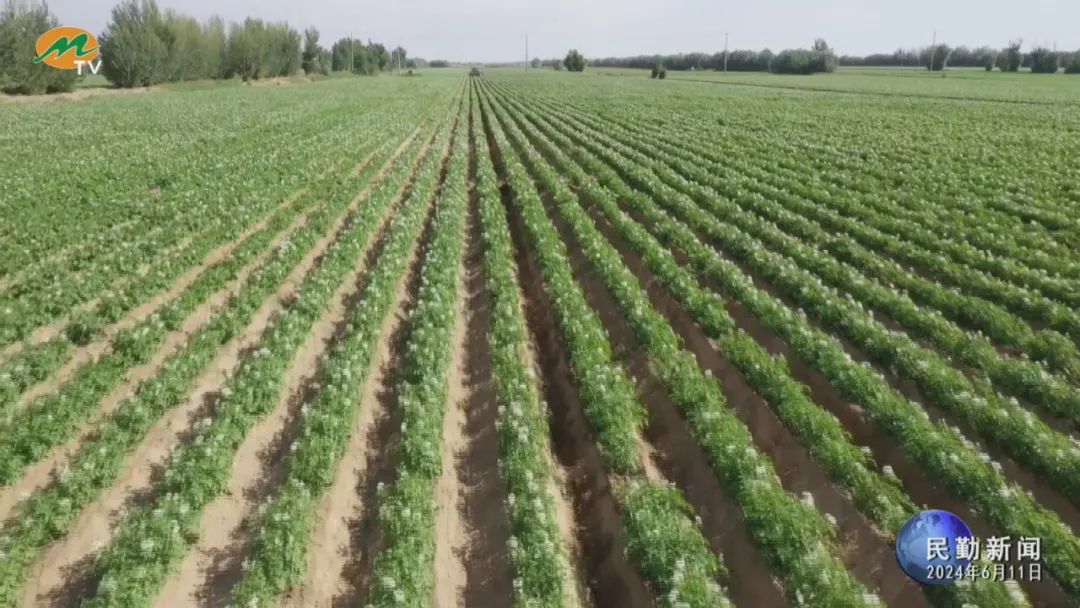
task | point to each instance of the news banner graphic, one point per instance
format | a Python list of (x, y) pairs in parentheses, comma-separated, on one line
[(937, 548)]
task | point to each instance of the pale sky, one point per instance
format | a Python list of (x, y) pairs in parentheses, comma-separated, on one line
[(494, 30)]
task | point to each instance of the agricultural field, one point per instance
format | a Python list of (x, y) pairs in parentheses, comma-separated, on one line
[(537, 340)]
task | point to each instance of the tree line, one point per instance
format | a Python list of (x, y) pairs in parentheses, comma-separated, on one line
[(144, 45), (820, 58), (1010, 58)]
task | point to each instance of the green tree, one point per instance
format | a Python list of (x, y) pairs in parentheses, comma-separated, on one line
[(133, 52), (1009, 59), (935, 58), (398, 58), (575, 61), (1072, 63), (1043, 61), (310, 61), (21, 22), (536, 63), (658, 70)]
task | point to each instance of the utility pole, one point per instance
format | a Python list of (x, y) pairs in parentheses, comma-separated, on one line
[(526, 53), (933, 51), (725, 51)]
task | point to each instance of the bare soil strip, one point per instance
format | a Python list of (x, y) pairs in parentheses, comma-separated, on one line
[(865, 548), (472, 562), (60, 574)]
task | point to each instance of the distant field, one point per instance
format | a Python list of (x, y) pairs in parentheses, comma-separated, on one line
[(555, 340), (962, 83)]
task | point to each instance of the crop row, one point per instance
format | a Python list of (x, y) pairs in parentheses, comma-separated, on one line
[(49, 514), (941, 451), (87, 326), (880, 499), (536, 555), (403, 567), (284, 529), (760, 195), (47, 295), (663, 542), (1015, 430), (34, 429), (255, 153), (752, 161), (1018, 377), (778, 186), (841, 216), (991, 242), (153, 538)]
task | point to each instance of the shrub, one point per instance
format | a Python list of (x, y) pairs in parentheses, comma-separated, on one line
[(1043, 61), (936, 57), (1009, 59), (20, 25), (801, 61), (439, 63), (1072, 63), (575, 61), (659, 71)]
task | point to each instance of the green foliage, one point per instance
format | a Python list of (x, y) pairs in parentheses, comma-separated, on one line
[(143, 45), (536, 63), (439, 63), (21, 22), (398, 59), (314, 59), (575, 61), (1010, 58), (935, 57), (658, 70), (351, 54), (1042, 60), (262, 50), (820, 58), (1072, 63)]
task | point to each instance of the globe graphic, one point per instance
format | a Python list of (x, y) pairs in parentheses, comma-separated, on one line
[(913, 540)]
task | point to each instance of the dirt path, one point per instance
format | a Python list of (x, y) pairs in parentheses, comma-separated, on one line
[(62, 569), (472, 565)]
